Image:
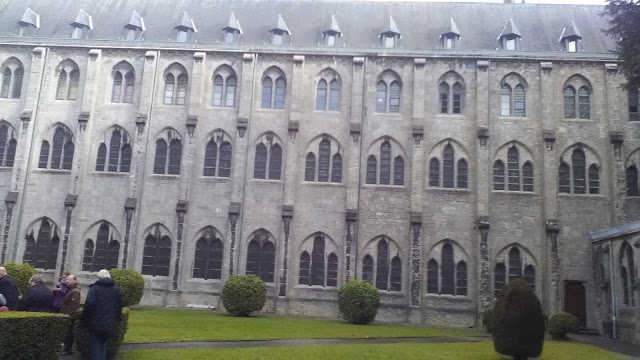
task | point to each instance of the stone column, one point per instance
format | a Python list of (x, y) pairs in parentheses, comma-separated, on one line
[(181, 211), (69, 204), (241, 153), (9, 201), (129, 210), (613, 83), (554, 303), (287, 215), (416, 258), (484, 266), (351, 218), (234, 213)]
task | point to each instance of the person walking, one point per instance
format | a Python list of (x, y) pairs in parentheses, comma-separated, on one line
[(60, 292), (37, 298), (9, 289), (101, 312), (70, 304)]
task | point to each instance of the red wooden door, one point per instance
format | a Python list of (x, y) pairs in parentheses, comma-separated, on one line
[(575, 301)]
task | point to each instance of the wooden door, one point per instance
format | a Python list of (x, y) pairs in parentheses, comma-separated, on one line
[(575, 300)]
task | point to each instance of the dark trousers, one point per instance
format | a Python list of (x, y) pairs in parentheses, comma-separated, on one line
[(69, 337), (98, 345)]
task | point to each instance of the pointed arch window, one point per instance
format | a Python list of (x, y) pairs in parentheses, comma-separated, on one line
[(527, 177), (498, 175), (261, 257), (328, 96), (273, 93), (217, 159), (634, 105), (461, 278), (515, 264), (385, 163), (156, 256), (388, 270), (512, 102), (123, 84), (569, 102), (12, 75), (168, 157), (8, 146), (321, 95), (529, 276), (332, 270), (632, 181), (432, 277), (224, 90), (61, 156), (310, 167), (564, 178), (447, 166), (625, 285), (336, 169), (317, 276), (372, 169), (499, 278), (176, 82), (447, 277), (42, 252), (578, 161), (382, 265), (305, 263), (68, 81), (584, 103), (268, 162), (434, 172), (388, 93), (106, 252), (450, 97), (324, 156), (207, 262), (367, 269), (513, 169), (462, 174), (447, 269), (576, 178)]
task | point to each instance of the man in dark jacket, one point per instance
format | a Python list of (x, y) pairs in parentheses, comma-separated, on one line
[(9, 289), (70, 304), (37, 298), (102, 311)]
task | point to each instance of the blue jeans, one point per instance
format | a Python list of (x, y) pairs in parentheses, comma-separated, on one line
[(98, 345)]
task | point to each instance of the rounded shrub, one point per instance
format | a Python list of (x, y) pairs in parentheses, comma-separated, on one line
[(487, 320), (31, 335), (518, 322), (562, 323), (131, 285), (113, 342), (244, 294), (358, 302), (21, 273)]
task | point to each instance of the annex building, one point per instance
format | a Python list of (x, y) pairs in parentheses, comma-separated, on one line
[(437, 150)]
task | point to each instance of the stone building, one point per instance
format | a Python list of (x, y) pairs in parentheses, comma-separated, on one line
[(438, 150)]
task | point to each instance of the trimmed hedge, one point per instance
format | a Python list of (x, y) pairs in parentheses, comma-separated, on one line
[(358, 302), (244, 294), (518, 322), (113, 342), (31, 335), (21, 273), (131, 285), (487, 320), (562, 323)]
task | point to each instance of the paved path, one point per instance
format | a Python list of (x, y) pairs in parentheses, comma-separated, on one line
[(612, 345)]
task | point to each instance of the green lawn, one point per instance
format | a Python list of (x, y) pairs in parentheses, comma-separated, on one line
[(404, 351), (169, 325)]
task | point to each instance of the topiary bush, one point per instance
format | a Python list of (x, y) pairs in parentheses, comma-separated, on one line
[(358, 302), (113, 342), (562, 323), (244, 294), (131, 285), (21, 273), (487, 320), (518, 322), (31, 335)]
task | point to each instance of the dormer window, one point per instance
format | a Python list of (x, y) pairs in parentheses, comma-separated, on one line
[(510, 37), (451, 36), (185, 28), (332, 32), (571, 38), (135, 27), (232, 30), (391, 35), (279, 32), (29, 22), (81, 26)]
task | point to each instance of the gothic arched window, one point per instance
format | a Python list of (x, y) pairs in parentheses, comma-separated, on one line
[(261, 258), (42, 251), (8, 145), (207, 261), (156, 256), (461, 278), (447, 270), (632, 181), (432, 277)]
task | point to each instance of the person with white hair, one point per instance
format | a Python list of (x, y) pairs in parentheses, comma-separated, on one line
[(101, 313), (9, 289), (38, 297)]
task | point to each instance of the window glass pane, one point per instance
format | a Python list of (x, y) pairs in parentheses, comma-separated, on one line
[(214, 263), (398, 171), (117, 87), (87, 258), (11, 153), (175, 157), (505, 100), (527, 177), (182, 36), (444, 97), (447, 267), (168, 89), (579, 171), (529, 276), (305, 263), (385, 163), (310, 168), (332, 270), (381, 97), (275, 162), (160, 161), (317, 261), (260, 165), (276, 39), (510, 44), (498, 175), (457, 98), (572, 46), (336, 169), (434, 172), (324, 155), (62, 85), (331, 40), (461, 279), (230, 93), (217, 90), (594, 179), (634, 105), (513, 170), (253, 258), (372, 165), (432, 277), (267, 88), (447, 166), (395, 278), (56, 154), (210, 159), (448, 42), (229, 37), (280, 94), (632, 181), (267, 262), (499, 277), (44, 155), (389, 41), (334, 96), (125, 162), (6, 83), (224, 166), (200, 259), (519, 101), (515, 264), (321, 95), (182, 89), (394, 97), (569, 103), (462, 174), (67, 158), (3, 142), (74, 80), (128, 88), (17, 83), (382, 265), (367, 269), (583, 103), (114, 150), (564, 180)]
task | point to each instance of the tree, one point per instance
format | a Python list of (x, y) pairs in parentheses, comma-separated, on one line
[(624, 18)]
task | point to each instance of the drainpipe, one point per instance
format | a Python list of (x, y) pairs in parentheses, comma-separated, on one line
[(614, 305)]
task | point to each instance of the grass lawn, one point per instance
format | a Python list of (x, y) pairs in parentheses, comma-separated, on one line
[(404, 351), (169, 325)]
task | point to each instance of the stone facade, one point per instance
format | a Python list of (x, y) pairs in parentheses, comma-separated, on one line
[(468, 229)]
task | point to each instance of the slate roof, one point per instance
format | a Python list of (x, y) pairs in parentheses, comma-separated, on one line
[(361, 22)]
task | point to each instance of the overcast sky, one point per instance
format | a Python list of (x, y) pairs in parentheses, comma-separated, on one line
[(591, 2)]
